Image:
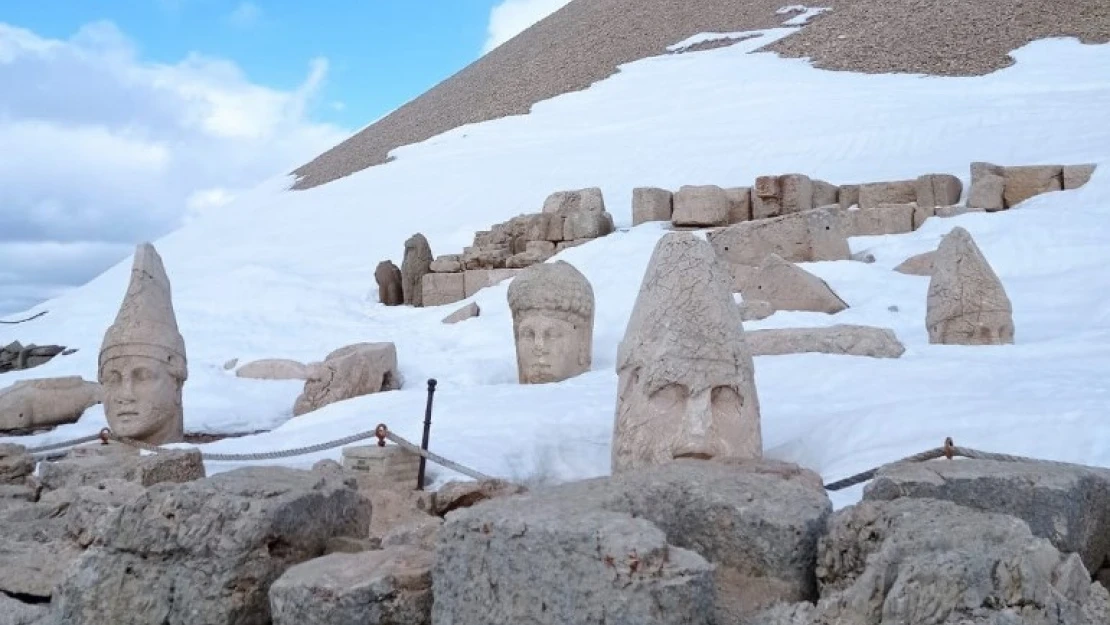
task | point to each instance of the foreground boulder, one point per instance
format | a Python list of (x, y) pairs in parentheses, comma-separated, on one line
[(1067, 504), (387, 587), (558, 561), (929, 562), (207, 551), (967, 304), (842, 339), (756, 522)]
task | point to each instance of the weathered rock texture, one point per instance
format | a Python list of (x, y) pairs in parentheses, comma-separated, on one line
[(878, 220), (651, 204), (552, 306), (842, 339), (929, 561), (207, 551), (347, 372), (1067, 504), (415, 264), (686, 381), (274, 369), (388, 587), (967, 304), (787, 286), (773, 196), (918, 265), (938, 190), (874, 194), (390, 289), (15, 356), (547, 59), (47, 402), (142, 365), (454, 495), (808, 236), (146, 470), (557, 561), (701, 205)]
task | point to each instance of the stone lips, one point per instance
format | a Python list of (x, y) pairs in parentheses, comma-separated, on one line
[(575, 47)]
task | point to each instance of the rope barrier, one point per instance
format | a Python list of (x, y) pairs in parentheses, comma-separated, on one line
[(32, 317)]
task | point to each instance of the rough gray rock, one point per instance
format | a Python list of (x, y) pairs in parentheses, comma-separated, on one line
[(146, 470), (390, 289), (416, 263), (419, 532), (15, 464), (455, 495), (524, 560), (207, 551), (931, 562), (1067, 504), (840, 339), (15, 612), (388, 587)]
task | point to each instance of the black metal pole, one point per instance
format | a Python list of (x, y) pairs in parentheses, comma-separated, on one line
[(427, 432)]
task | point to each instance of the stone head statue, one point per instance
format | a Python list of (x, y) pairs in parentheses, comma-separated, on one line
[(142, 365), (686, 386), (553, 322)]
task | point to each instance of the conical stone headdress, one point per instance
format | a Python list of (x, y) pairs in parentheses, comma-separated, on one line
[(145, 324)]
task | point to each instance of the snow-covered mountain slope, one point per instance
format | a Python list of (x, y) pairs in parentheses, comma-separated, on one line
[(290, 274)]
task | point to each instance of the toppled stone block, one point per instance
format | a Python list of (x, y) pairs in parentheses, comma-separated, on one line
[(825, 193), (447, 263), (1025, 181), (987, 185), (878, 220), (874, 194), (174, 466), (485, 257), (808, 236), (701, 205), (587, 225), (789, 287), (536, 227), (588, 200), (938, 190), (469, 311), (739, 204), (651, 204), (388, 587), (918, 265), (840, 339), (350, 371), (584, 565), (207, 551), (773, 196), (443, 288), (1067, 504), (273, 369), (476, 280), (1076, 176)]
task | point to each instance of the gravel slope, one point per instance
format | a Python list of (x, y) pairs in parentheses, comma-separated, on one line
[(585, 41)]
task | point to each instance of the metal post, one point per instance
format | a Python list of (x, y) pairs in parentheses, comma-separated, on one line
[(427, 431)]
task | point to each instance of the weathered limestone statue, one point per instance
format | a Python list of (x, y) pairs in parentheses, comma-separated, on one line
[(416, 262), (967, 304), (553, 322), (686, 384), (142, 364), (46, 402)]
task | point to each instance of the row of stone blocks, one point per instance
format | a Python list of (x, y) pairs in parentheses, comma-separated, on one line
[(993, 188)]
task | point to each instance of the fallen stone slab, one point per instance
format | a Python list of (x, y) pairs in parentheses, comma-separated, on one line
[(807, 236), (918, 265), (840, 339), (388, 587), (1067, 504), (786, 286), (128, 465), (274, 369)]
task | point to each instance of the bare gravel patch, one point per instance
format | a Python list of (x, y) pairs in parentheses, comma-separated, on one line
[(585, 41)]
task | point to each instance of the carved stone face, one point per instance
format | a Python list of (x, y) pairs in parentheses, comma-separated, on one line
[(142, 400), (549, 349), (657, 425)]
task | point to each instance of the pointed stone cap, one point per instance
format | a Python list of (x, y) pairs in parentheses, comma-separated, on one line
[(966, 302), (145, 324), (685, 324)]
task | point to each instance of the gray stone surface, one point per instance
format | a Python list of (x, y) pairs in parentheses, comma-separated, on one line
[(207, 551), (558, 561), (388, 277), (15, 463), (651, 204), (840, 339), (416, 263), (807, 236), (1068, 505), (15, 612), (146, 470), (388, 587)]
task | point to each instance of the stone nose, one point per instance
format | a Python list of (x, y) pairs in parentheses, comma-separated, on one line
[(695, 438)]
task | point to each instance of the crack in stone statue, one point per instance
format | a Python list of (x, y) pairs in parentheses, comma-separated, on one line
[(686, 384), (553, 322), (142, 365)]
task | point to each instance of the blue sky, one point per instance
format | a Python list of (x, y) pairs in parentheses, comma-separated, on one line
[(129, 118), (381, 53)]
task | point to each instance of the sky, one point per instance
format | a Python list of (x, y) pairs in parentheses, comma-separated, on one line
[(121, 120)]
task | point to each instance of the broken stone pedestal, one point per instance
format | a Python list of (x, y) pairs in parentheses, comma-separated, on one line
[(391, 467)]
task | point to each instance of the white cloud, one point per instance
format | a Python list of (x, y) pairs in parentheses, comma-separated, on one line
[(245, 15), (102, 150), (511, 17)]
